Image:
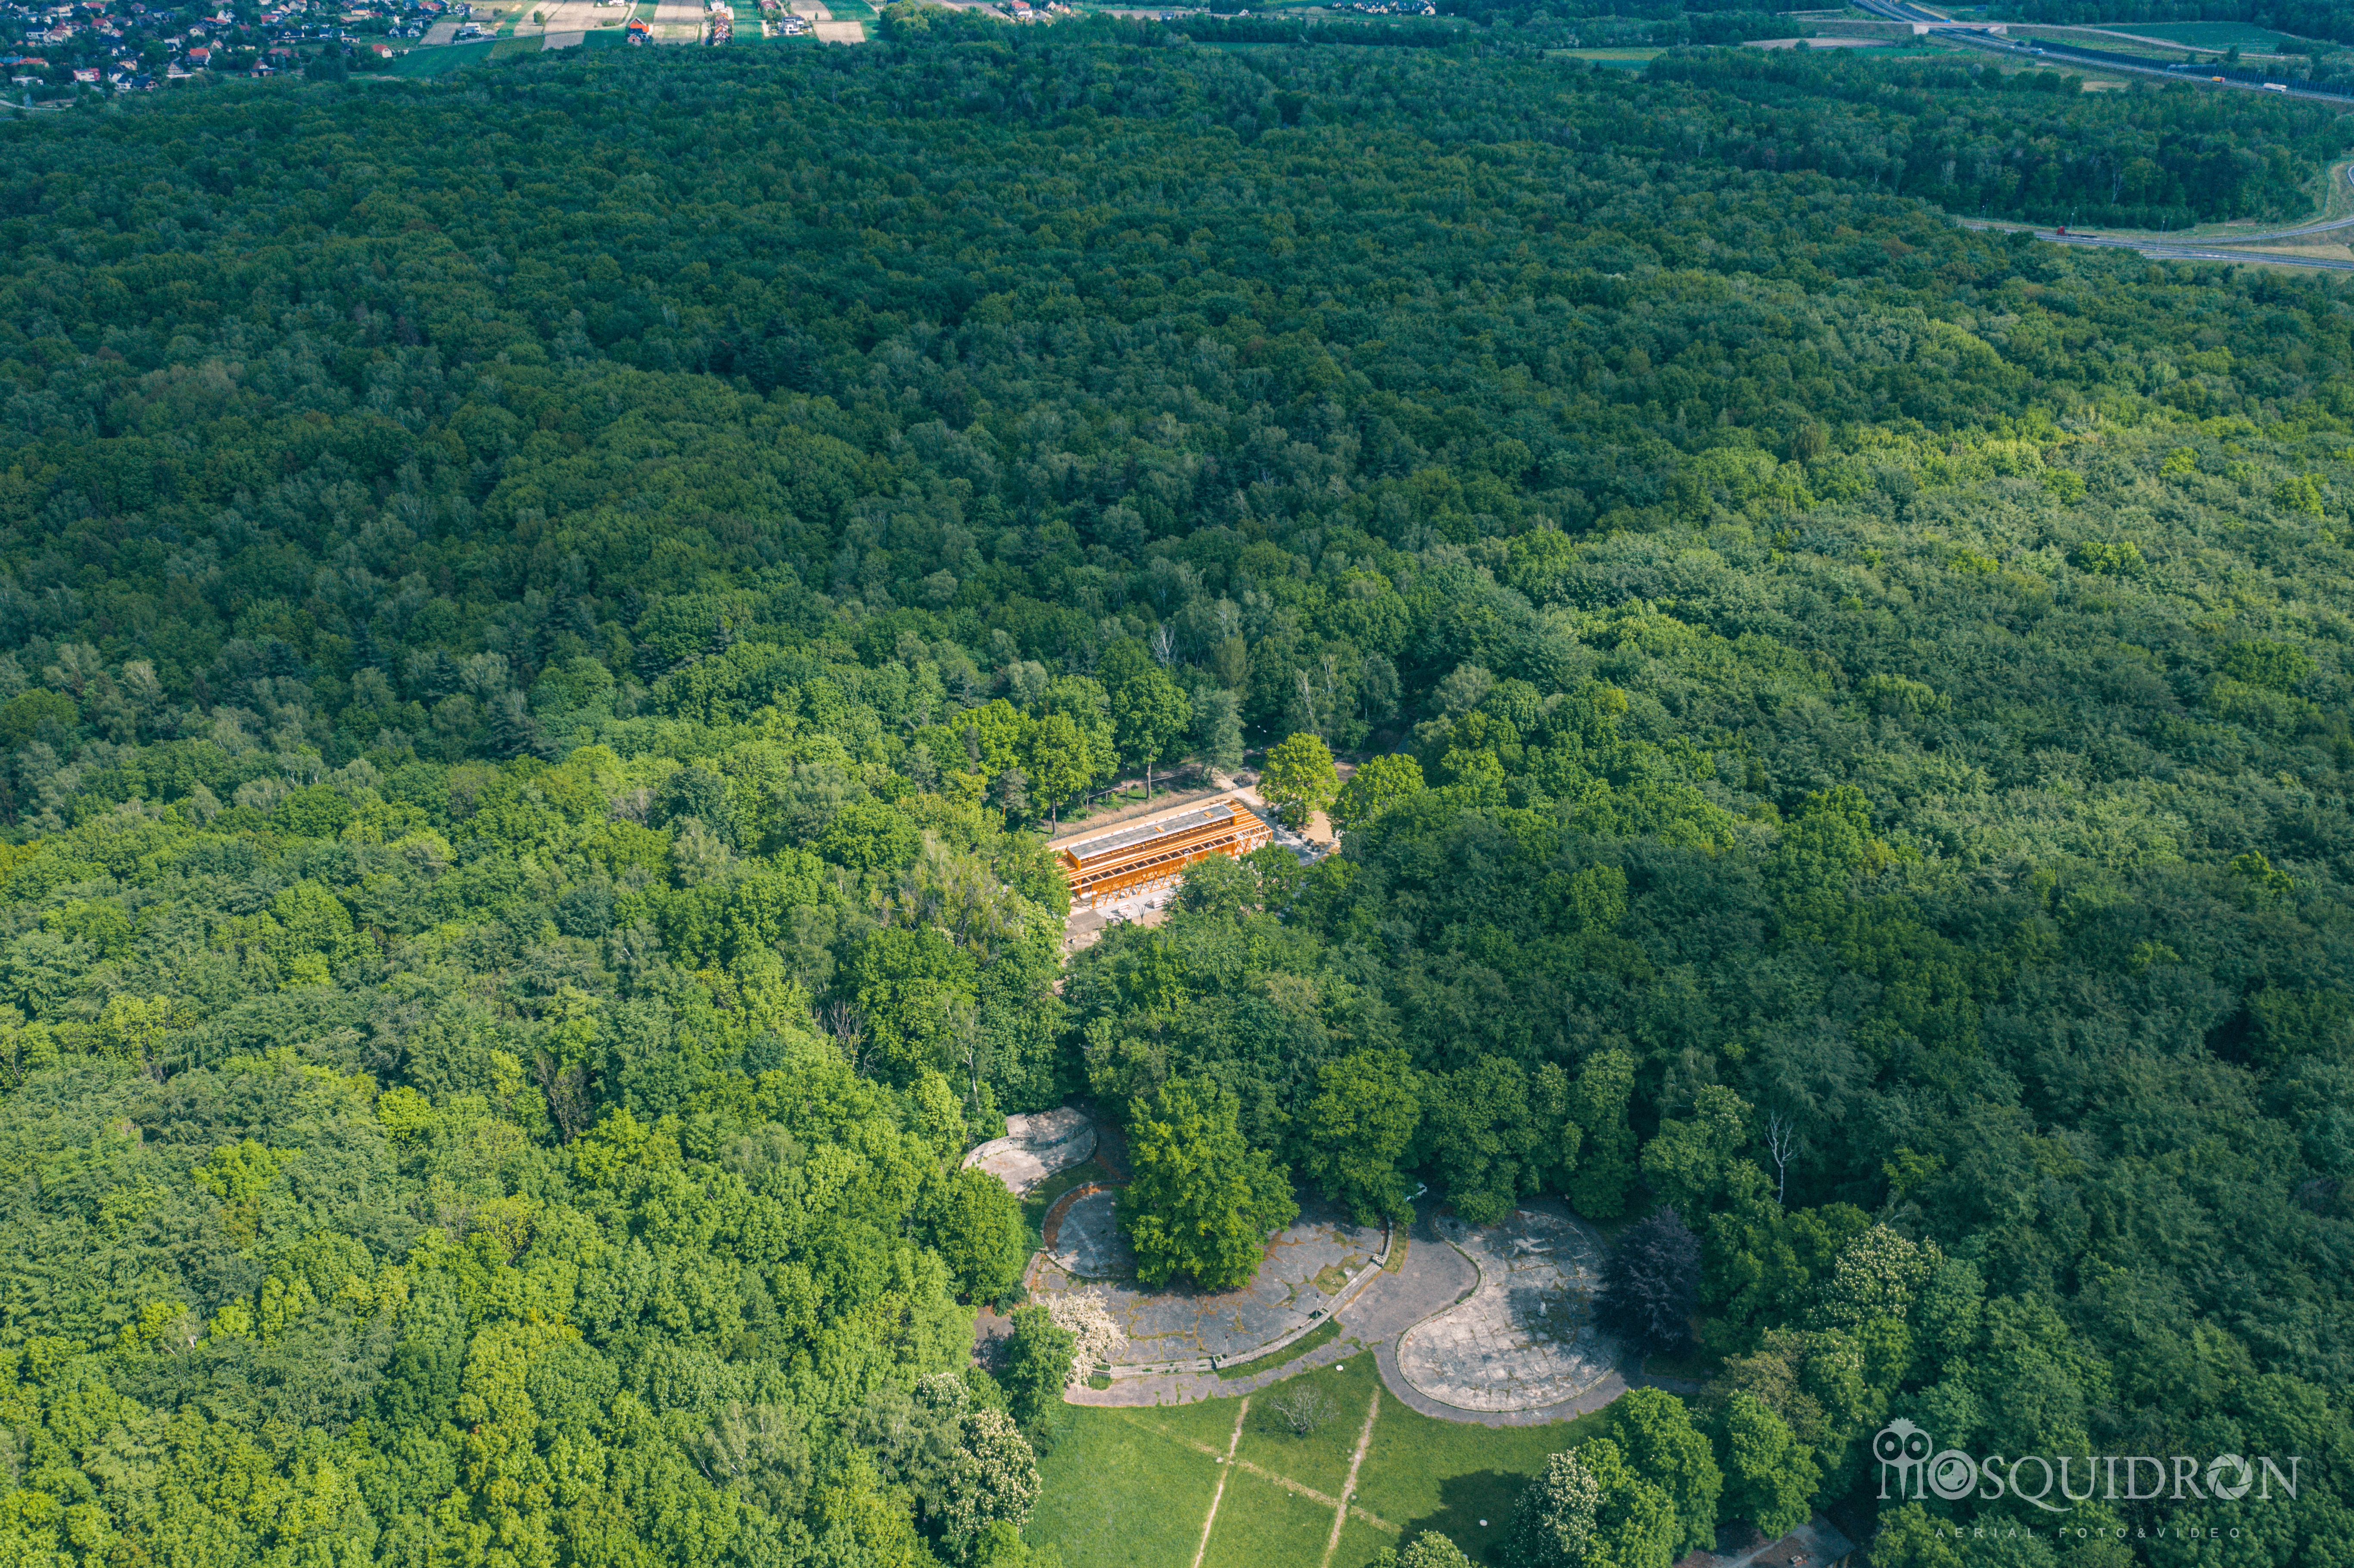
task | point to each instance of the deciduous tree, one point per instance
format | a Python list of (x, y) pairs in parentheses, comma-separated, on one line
[(1200, 1203), (1298, 777), (1377, 784), (1359, 1127)]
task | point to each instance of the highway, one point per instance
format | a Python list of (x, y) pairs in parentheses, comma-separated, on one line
[(1975, 35), (2335, 223), (1899, 11), (2201, 253), (2162, 251)]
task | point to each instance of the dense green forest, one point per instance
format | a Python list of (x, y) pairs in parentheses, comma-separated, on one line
[(541, 617)]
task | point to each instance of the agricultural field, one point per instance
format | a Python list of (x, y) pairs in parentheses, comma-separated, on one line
[(2206, 35), (443, 58), (1627, 59)]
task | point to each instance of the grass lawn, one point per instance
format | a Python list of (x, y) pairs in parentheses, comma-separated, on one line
[(1120, 1496), (444, 57), (1360, 1544), (1123, 1486), (1625, 60), (1262, 1525), (1423, 1473), (1209, 1422), (1321, 1459)]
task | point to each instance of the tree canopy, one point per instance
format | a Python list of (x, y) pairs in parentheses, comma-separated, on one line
[(541, 615), (1200, 1202)]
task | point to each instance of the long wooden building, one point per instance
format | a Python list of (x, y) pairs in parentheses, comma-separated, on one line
[(1152, 855)]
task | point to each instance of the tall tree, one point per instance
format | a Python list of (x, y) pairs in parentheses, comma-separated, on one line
[(1770, 1476), (1149, 713), (1606, 1165), (1696, 1159), (1378, 784), (1218, 730), (1359, 1127), (1058, 761), (1298, 778), (1201, 1202), (1035, 1367), (1655, 1433), (974, 1222), (1650, 1283)]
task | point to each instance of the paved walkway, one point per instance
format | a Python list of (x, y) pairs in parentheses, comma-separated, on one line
[(1308, 1270), (1436, 1278), (1486, 1325), (1431, 1276)]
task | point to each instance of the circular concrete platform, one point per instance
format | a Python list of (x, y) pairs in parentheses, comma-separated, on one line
[(1526, 1337)]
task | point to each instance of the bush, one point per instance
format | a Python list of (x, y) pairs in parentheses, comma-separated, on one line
[(1301, 1407)]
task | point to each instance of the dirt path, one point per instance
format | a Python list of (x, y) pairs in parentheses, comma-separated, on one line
[(1233, 1443), (1262, 1472), (1349, 1484)]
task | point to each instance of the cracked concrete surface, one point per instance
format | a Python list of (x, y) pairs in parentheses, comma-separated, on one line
[(1525, 1337), (1492, 1327), (1036, 1146), (1306, 1266)]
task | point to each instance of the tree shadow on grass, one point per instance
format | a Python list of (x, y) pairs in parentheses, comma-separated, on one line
[(1463, 1501)]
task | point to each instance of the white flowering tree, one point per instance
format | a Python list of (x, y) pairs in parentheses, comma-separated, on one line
[(993, 1477), (1876, 1276), (1082, 1315), (986, 1484), (1554, 1524)]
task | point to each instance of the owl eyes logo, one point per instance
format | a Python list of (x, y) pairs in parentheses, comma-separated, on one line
[(1910, 1457), (1901, 1447), (1907, 1449)]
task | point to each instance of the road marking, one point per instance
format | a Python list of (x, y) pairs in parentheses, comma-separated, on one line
[(1349, 1485), (1220, 1490)]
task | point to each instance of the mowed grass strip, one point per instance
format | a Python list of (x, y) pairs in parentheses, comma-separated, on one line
[(1421, 1473), (1119, 1495), (1316, 1339), (1320, 1459), (2203, 35), (1262, 1524)]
